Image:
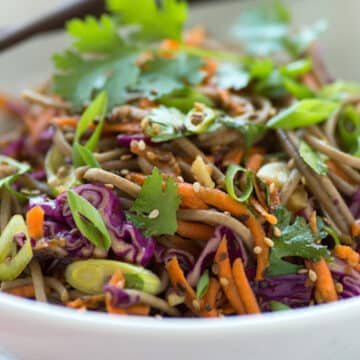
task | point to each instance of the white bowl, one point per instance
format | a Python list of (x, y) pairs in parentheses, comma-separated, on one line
[(33, 331)]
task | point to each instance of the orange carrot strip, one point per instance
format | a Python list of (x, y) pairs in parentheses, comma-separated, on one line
[(145, 103), (181, 285), (338, 171), (254, 162), (348, 254), (177, 242), (234, 156), (170, 44), (26, 291), (244, 289), (121, 128), (38, 124), (195, 36), (271, 219), (324, 288), (195, 231), (355, 228), (90, 302), (35, 222), (226, 279), (65, 121), (210, 299), (189, 199), (224, 202), (3, 101), (210, 69)]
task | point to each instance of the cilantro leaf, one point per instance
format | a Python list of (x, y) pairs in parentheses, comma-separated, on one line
[(313, 159), (93, 35), (155, 22), (162, 76), (231, 76), (203, 285), (250, 130), (297, 240), (171, 122), (83, 78), (153, 198)]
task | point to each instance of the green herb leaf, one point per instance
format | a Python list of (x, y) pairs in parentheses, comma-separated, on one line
[(88, 220), (184, 99), (20, 169), (203, 285), (250, 130), (171, 122), (86, 155), (278, 306), (155, 22), (162, 76), (348, 127), (93, 35), (232, 76), (231, 173), (296, 68), (340, 90), (152, 197), (313, 158), (298, 90), (296, 240), (260, 68), (303, 113)]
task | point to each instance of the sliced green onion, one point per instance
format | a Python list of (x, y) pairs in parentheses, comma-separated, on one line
[(90, 276), (349, 128), (202, 285), (93, 226), (198, 121), (11, 269), (296, 68), (229, 182), (278, 306), (21, 168), (86, 155), (333, 234)]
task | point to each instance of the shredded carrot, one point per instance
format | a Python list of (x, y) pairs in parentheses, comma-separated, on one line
[(35, 222), (348, 254), (177, 242), (234, 156), (355, 228), (338, 171), (210, 69), (210, 298), (26, 291), (3, 101), (145, 103), (133, 127), (36, 125), (226, 279), (271, 219), (244, 289), (224, 202), (170, 44), (254, 162), (195, 36), (324, 288), (117, 279), (88, 302), (63, 121), (313, 223), (189, 198), (181, 285), (195, 231)]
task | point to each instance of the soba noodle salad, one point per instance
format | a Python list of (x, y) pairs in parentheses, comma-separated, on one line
[(162, 172)]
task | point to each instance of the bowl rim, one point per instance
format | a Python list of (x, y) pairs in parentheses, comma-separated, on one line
[(60, 317)]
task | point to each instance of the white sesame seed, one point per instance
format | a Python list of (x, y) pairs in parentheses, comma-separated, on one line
[(258, 250), (339, 287), (109, 186), (175, 299), (224, 281), (277, 231), (154, 214), (272, 187), (196, 186), (302, 271), (124, 172), (156, 128), (126, 157), (227, 213), (144, 123), (312, 275), (196, 304), (180, 178), (268, 242), (215, 269), (141, 145)]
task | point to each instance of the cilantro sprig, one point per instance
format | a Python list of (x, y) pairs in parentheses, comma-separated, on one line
[(155, 208), (296, 240)]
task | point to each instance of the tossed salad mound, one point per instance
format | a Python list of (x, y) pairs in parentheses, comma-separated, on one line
[(163, 173)]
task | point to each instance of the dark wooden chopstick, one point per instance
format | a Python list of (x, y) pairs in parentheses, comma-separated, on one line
[(56, 19)]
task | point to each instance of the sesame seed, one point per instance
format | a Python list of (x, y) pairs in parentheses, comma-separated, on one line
[(158, 316), (224, 281), (124, 172), (126, 157), (272, 187), (227, 213), (175, 299), (196, 186), (156, 128), (312, 275), (215, 269), (302, 271), (268, 241), (180, 178), (196, 305), (277, 231), (109, 186), (199, 106), (339, 287), (258, 250), (144, 123), (151, 155), (154, 214), (141, 145)]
